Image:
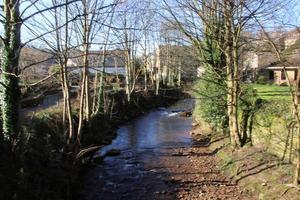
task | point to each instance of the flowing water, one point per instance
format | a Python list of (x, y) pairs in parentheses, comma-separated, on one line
[(132, 174)]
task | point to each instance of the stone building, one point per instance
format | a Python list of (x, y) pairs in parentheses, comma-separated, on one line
[(261, 61)]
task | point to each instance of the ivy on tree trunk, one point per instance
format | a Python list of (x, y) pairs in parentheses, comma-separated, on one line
[(10, 90)]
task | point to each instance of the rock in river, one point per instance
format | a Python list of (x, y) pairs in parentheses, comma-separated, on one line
[(113, 152)]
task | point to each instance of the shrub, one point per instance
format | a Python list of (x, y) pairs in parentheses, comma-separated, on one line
[(284, 84), (211, 96), (262, 80)]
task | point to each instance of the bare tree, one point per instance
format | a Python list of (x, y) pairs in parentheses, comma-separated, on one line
[(222, 22), (88, 26)]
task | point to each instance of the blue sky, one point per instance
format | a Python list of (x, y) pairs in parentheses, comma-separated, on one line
[(288, 15)]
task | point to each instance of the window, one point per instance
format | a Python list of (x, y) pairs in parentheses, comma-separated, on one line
[(296, 75), (271, 75), (283, 77)]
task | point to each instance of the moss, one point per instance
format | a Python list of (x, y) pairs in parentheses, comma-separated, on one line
[(228, 163)]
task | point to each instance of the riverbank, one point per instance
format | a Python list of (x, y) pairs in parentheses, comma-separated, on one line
[(194, 172), (261, 174)]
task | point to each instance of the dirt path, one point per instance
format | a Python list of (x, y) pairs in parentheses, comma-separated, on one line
[(194, 174), (170, 173)]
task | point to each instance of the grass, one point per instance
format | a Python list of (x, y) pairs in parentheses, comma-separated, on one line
[(259, 172), (260, 169), (269, 92)]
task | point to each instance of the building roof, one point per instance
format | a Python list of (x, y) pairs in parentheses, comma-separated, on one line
[(288, 43), (281, 67), (112, 58)]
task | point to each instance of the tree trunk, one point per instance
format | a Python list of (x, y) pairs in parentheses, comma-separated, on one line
[(84, 106), (158, 72), (84, 100), (145, 64), (297, 168), (127, 79), (244, 126), (10, 97), (63, 61), (179, 74), (127, 67), (297, 99), (231, 76), (95, 87), (235, 92), (116, 69), (100, 100), (81, 107), (68, 103)]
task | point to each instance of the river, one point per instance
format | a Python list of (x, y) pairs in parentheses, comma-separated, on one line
[(134, 173)]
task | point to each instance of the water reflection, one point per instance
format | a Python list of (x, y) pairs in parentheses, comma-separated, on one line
[(158, 129)]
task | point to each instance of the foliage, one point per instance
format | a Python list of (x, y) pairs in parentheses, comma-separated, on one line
[(42, 168), (54, 69), (272, 127), (211, 90), (262, 80), (248, 97), (249, 104), (211, 100)]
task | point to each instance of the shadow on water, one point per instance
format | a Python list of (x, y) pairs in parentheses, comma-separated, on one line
[(137, 172)]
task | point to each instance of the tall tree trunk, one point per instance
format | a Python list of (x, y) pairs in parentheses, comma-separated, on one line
[(145, 64), (116, 69), (235, 81), (158, 72), (179, 74), (10, 97), (68, 102), (231, 76), (84, 106), (127, 68), (100, 100), (81, 106), (297, 168), (63, 61), (95, 87), (60, 61), (246, 114), (297, 99)]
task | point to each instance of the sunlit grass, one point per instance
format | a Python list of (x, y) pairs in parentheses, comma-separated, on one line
[(269, 92)]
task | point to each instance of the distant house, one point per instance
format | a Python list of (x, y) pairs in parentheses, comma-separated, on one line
[(260, 61), (114, 61), (278, 76)]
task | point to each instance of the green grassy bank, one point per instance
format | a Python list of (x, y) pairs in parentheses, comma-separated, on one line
[(265, 168)]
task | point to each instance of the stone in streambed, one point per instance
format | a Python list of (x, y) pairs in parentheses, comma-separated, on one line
[(113, 152), (195, 124), (98, 159), (185, 114)]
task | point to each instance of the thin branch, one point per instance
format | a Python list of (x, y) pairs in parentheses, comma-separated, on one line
[(48, 9)]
